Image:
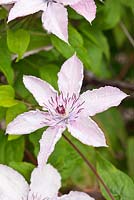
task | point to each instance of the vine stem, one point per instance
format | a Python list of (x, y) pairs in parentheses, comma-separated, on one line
[(89, 165), (30, 157), (126, 32)]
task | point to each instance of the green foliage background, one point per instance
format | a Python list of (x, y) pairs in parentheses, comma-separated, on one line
[(106, 53)]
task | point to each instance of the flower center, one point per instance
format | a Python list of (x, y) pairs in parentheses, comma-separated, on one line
[(63, 109), (60, 109)]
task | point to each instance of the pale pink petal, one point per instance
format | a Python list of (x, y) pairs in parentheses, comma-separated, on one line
[(87, 131), (45, 182), (70, 76), (55, 20), (75, 196), (68, 2), (86, 8), (47, 143), (27, 122), (99, 100), (7, 1), (41, 90), (12, 184), (26, 7)]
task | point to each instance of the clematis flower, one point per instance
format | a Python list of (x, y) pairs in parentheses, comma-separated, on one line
[(54, 17), (45, 184), (68, 109)]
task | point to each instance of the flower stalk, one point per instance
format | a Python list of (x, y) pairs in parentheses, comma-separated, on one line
[(89, 165)]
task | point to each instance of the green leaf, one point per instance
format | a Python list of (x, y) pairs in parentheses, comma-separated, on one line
[(73, 14), (76, 46), (23, 168), (18, 41), (84, 56), (128, 3), (7, 96), (119, 36), (38, 39), (11, 150), (65, 49), (96, 37), (11, 113), (66, 160), (121, 185), (34, 139), (49, 74), (3, 13), (115, 132), (108, 15), (5, 61), (130, 156), (76, 41), (2, 113)]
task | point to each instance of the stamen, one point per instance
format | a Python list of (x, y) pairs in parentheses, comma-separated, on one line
[(45, 106), (79, 110), (38, 197), (80, 104), (50, 1), (62, 109), (56, 98), (52, 100)]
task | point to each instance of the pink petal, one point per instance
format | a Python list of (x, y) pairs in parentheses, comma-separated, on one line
[(87, 131), (70, 76), (75, 196), (12, 184), (40, 89), (27, 122), (45, 182), (26, 7), (86, 8), (99, 100), (7, 1), (68, 2), (47, 143), (55, 20)]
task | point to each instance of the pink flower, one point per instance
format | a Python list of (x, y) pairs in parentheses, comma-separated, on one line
[(54, 17), (45, 184), (69, 109)]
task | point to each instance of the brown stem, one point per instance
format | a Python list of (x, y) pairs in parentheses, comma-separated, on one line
[(126, 32), (90, 166), (30, 157), (127, 64), (90, 79)]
